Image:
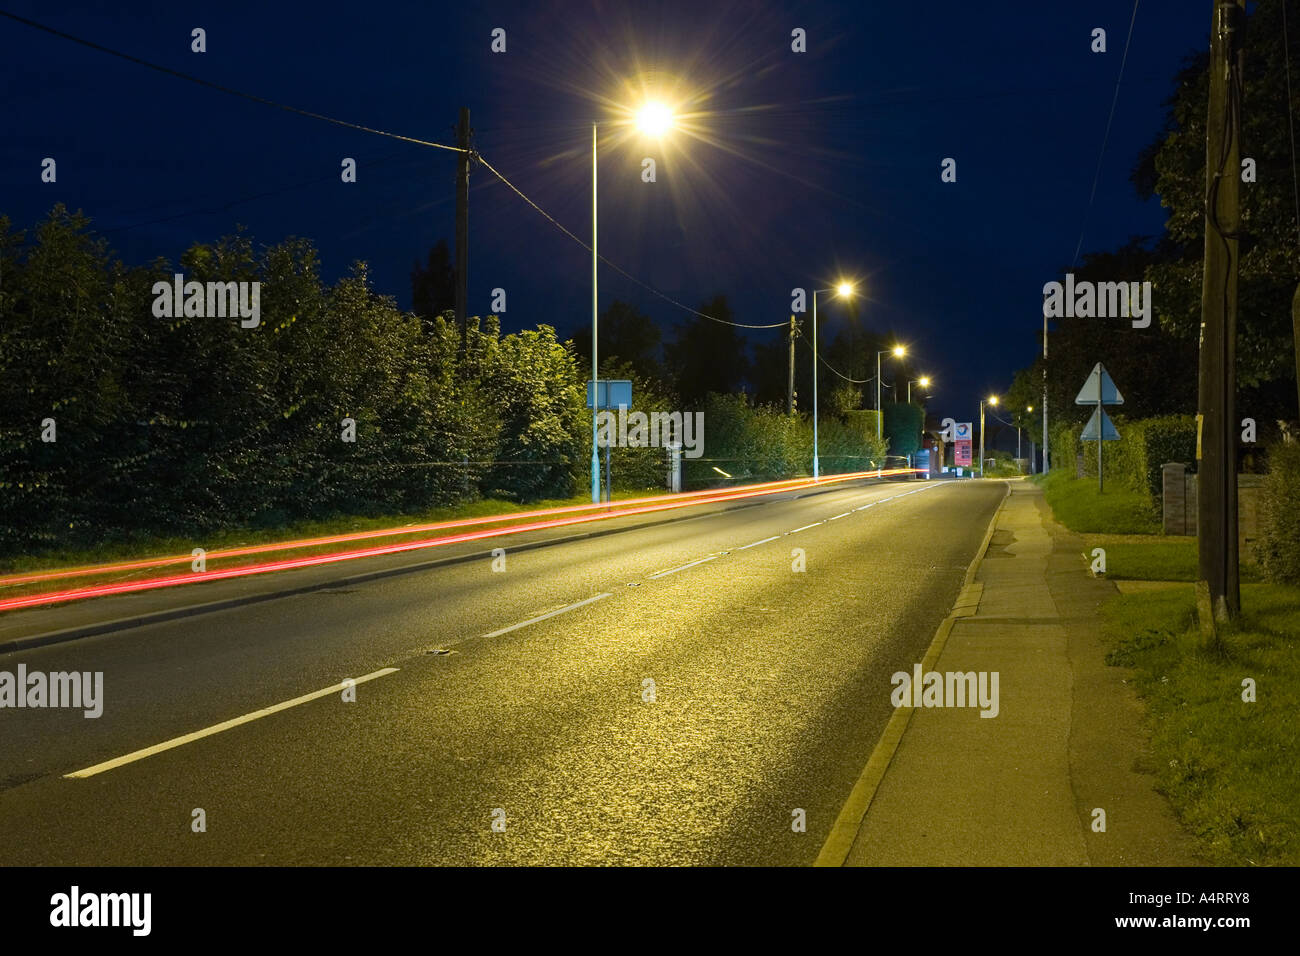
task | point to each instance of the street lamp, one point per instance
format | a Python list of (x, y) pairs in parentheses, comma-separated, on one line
[(1028, 408), (843, 290), (991, 400), (923, 382), (653, 119), (898, 352)]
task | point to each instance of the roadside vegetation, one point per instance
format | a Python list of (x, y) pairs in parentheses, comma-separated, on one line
[(1227, 764), (1229, 767), (128, 429)]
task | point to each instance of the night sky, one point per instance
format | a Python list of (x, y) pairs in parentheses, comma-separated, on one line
[(795, 168)]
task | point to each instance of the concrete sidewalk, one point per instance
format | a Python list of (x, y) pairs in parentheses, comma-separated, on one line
[(1019, 788)]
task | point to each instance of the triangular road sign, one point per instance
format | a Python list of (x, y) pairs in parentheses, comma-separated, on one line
[(1108, 432), (1099, 387)]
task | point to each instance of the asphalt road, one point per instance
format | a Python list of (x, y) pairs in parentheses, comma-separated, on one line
[(770, 688)]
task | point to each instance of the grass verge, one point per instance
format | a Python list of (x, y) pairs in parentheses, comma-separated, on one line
[(1132, 557), (1081, 507), (1228, 767)]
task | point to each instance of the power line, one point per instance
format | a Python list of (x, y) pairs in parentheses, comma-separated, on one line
[(378, 132), (623, 272), (1106, 138), (223, 89), (855, 381), (242, 199)]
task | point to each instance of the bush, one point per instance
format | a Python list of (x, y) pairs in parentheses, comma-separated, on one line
[(762, 443), (902, 427), (1133, 462), (1278, 547)]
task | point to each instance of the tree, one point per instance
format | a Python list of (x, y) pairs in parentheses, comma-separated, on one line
[(708, 356), (1173, 167), (627, 335), (433, 285)]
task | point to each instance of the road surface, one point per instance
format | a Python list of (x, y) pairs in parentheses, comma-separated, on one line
[(703, 693)]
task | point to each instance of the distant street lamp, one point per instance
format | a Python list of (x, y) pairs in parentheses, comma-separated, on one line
[(1028, 408), (898, 352), (991, 400), (923, 382), (653, 119), (842, 290)]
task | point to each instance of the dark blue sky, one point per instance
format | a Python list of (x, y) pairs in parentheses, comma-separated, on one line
[(801, 166)]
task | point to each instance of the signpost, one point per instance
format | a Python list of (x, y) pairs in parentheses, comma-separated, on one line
[(1099, 390), (608, 394), (963, 437)]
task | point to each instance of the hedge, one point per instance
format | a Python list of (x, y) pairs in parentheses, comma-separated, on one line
[(1135, 461), (1278, 546)]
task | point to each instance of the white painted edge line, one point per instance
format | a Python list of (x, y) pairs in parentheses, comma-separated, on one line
[(757, 543), (224, 725), (804, 528), (543, 617), (660, 574), (837, 517)]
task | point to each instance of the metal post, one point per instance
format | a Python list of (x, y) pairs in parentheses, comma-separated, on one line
[(1046, 441), (816, 461), (1101, 434), (595, 374), (879, 413)]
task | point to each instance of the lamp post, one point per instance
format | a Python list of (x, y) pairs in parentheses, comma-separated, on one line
[(991, 400), (653, 119), (898, 352), (1028, 408), (595, 373), (923, 382), (843, 290)]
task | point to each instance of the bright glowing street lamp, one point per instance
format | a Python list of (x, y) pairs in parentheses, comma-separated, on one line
[(653, 119), (898, 352), (843, 290), (991, 400), (923, 382)]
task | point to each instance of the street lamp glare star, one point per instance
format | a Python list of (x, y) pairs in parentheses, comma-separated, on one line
[(899, 351), (993, 399), (925, 383), (654, 119), (844, 290)]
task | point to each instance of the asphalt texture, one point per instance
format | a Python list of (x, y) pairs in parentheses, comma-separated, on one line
[(688, 717)]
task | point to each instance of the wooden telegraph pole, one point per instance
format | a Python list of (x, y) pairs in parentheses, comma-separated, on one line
[(462, 223), (1217, 449), (789, 394)]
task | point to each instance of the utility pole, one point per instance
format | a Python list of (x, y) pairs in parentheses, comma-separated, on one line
[(789, 394), (1046, 442), (1217, 477), (462, 225)]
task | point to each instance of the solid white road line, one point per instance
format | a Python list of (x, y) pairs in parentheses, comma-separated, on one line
[(224, 725), (543, 617), (757, 543), (804, 528)]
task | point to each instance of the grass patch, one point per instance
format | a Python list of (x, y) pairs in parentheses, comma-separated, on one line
[(1131, 557), (1080, 507), (1228, 767)]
